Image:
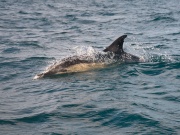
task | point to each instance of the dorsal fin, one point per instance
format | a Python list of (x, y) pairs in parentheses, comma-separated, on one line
[(116, 46)]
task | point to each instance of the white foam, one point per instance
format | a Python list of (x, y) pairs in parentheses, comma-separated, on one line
[(87, 50)]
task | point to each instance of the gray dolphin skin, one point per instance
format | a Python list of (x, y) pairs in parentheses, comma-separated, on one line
[(117, 48), (82, 63)]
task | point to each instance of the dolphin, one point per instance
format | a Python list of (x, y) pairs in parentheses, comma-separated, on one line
[(81, 63)]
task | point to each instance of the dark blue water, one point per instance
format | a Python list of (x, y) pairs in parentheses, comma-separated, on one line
[(126, 99)]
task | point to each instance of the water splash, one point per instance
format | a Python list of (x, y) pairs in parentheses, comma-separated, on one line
[(148, 51), (153, 54), (84, 50), (160, 58), (90, 53)]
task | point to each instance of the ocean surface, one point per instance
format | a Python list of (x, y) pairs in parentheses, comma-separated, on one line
[(125, 99)]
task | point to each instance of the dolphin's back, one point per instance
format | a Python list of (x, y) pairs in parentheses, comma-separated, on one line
[(70, 61)]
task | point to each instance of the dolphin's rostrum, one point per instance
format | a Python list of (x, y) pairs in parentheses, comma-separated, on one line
[(81, 63)]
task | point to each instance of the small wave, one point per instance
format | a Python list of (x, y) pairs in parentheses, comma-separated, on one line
[(11, 50), (157, 66), (22, 12), (36, 118), (37, 58), (175, 33), (6, 122), (83, 21), (125, 119), (175, 99), (163, 18), (29, 44)]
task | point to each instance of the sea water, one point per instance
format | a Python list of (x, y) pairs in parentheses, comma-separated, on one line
[(125, 99)]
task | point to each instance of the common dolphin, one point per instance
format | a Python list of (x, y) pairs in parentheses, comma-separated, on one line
[(81, 63)]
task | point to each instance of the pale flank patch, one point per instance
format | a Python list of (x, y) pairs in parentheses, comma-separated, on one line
[(82, 67)]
